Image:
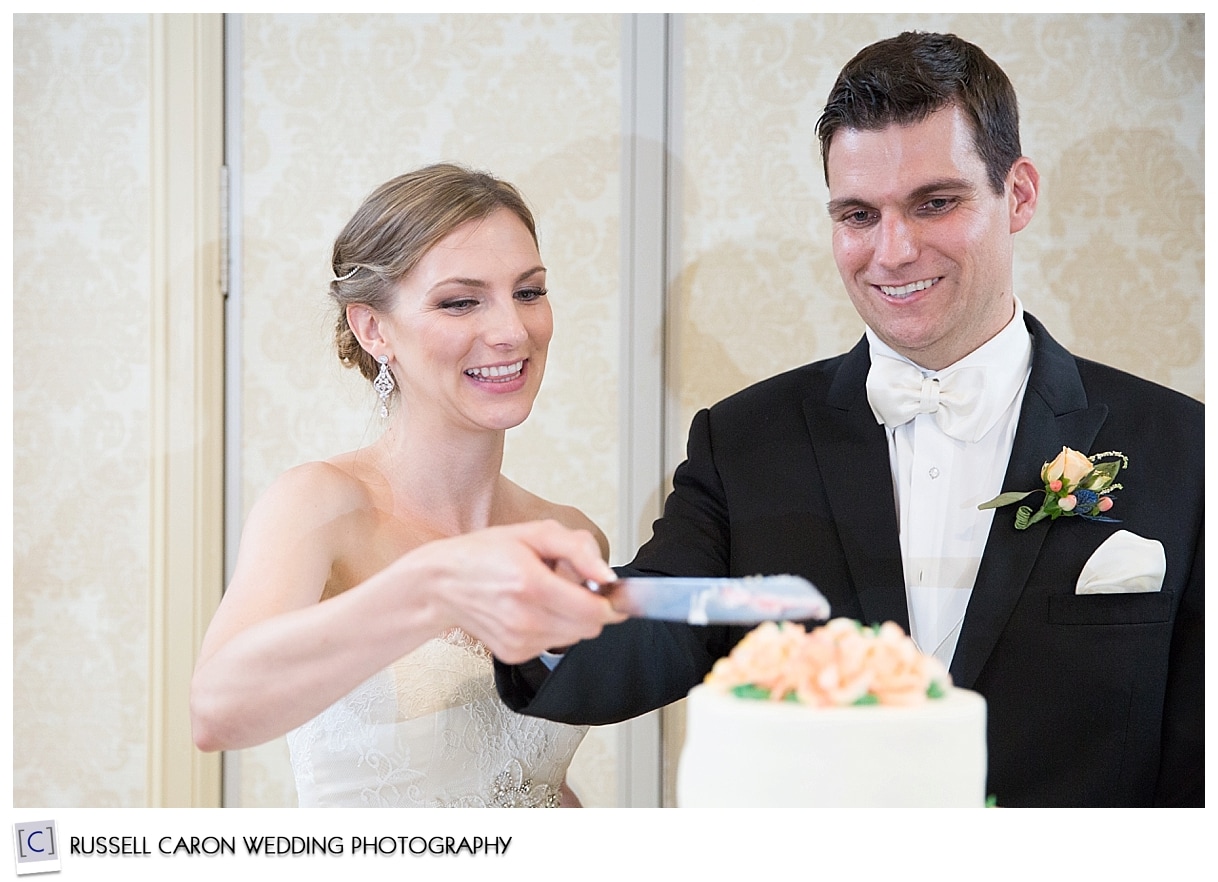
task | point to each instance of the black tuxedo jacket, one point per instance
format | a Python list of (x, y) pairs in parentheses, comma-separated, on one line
[(1091, 699)]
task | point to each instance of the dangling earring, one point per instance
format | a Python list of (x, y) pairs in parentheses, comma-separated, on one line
[(383, 384)]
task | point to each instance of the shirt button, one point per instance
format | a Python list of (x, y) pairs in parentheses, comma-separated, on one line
[(934, 473)]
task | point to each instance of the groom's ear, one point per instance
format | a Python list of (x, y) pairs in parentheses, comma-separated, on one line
[(1023, 189)]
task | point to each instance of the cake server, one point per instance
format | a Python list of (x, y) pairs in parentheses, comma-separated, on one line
[(746, 600)]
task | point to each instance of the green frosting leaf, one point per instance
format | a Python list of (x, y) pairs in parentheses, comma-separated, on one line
[(748, 690)]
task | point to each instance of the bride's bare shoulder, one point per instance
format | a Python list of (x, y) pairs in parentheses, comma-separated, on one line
[(534, 508), (323, 488)]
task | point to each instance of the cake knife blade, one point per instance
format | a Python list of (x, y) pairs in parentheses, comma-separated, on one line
[(747, 600)]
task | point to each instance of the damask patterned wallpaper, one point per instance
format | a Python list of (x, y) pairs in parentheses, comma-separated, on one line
[(81, 418), (1113, 263)]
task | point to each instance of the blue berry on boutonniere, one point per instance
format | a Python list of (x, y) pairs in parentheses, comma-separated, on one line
[(1074, 485)]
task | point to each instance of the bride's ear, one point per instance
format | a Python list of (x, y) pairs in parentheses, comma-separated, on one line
[(365, 324)]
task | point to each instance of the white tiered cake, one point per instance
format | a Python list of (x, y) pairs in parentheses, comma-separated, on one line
[(846, 715)]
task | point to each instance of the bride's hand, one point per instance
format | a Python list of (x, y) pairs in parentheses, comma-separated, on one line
[(517, 588)]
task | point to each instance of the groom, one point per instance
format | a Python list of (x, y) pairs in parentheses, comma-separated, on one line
[(864, 472)]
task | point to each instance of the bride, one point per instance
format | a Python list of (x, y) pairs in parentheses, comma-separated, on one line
[(372, 589)]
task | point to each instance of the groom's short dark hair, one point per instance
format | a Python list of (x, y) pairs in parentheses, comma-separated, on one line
[(904, 79)]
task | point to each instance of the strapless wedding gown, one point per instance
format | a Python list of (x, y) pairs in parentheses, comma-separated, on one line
[(431, 731)]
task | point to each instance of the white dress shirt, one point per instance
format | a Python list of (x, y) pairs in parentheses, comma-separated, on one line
[(939, 482)]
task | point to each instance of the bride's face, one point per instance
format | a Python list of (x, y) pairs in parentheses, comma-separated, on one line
[(471, 326)]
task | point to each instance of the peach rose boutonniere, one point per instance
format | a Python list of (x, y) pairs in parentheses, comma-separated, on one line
[(1074, 484)]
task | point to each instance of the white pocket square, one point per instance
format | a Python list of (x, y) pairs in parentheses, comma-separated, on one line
[(1125, 564)]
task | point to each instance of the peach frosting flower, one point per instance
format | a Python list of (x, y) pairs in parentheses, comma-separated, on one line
[(840, 663)]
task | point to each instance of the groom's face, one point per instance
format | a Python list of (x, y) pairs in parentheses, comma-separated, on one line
[(922, 241)]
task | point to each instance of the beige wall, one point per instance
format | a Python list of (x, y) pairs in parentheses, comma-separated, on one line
[(1113, 262), (80, 409), (117, 429)]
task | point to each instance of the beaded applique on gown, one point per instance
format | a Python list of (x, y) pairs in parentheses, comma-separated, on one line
[(431, 731)]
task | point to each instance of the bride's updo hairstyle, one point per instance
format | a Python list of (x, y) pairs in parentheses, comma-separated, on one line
[(395, 226)]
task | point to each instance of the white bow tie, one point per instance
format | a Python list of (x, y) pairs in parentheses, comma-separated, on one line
[(898, 392)]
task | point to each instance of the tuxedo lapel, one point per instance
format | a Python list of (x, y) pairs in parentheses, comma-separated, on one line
[(852, 457), (1055, 414)]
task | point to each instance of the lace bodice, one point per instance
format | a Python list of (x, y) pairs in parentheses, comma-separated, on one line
[(431, 731)]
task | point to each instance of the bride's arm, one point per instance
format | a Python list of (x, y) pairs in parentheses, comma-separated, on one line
[(274, 656)]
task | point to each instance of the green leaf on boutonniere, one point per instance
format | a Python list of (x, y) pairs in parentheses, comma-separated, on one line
[(1102, 477), (1004, 499)]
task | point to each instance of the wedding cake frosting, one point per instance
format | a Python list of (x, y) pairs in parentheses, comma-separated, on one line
[(843, 715)]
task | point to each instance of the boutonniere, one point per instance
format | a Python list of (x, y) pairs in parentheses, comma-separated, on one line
[(1075, 484)]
